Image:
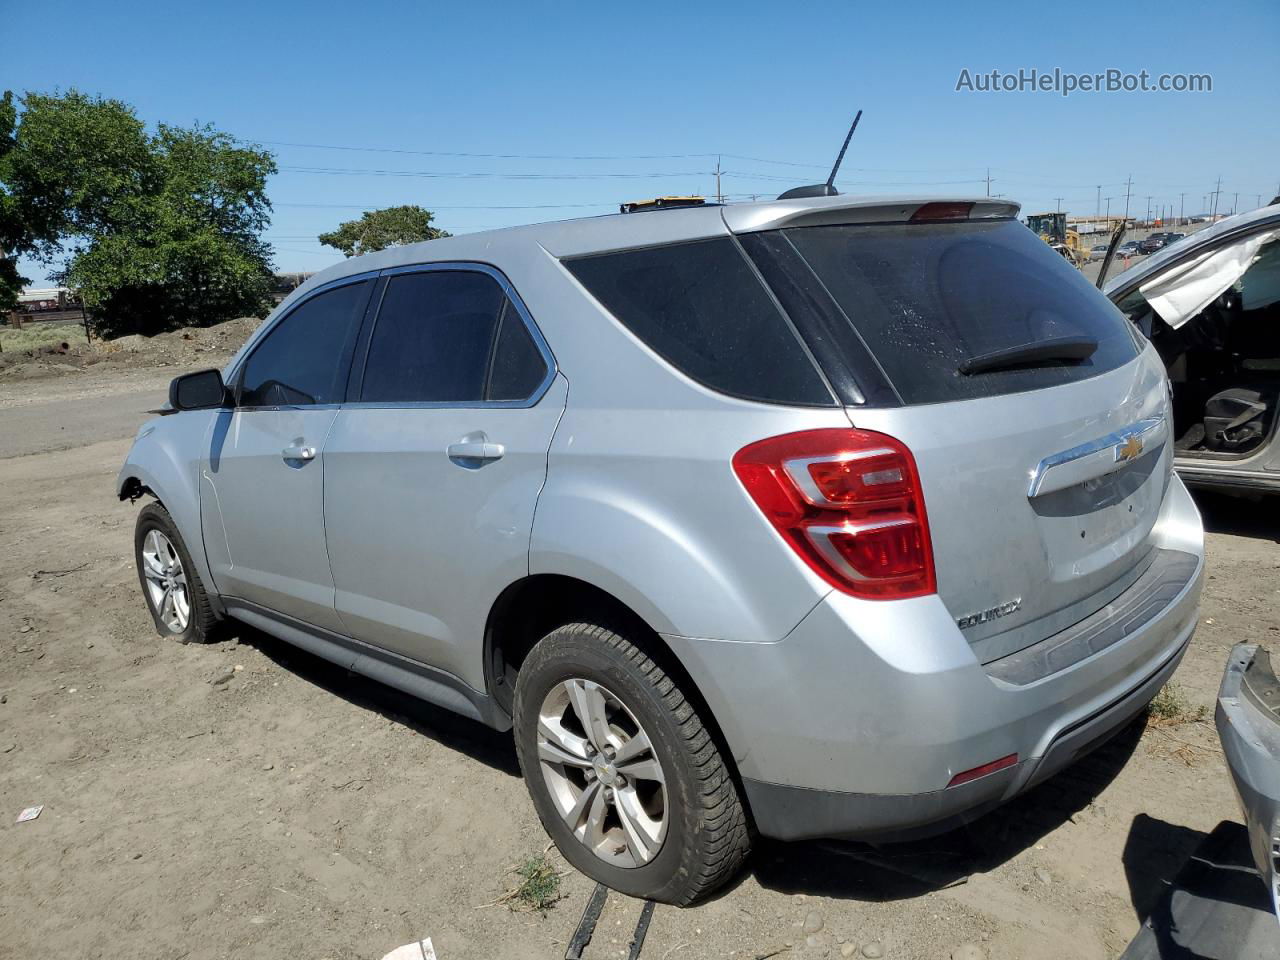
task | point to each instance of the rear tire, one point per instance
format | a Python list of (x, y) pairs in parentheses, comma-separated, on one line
[(671, 825), (171, 586)]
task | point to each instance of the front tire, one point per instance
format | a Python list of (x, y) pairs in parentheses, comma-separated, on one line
[(170, 584), (623, 773)]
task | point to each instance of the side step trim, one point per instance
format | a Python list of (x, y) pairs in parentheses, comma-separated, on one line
[(409, 676)]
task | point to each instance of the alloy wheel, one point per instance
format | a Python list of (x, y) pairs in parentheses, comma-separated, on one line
[(166, 581), (602, 772)]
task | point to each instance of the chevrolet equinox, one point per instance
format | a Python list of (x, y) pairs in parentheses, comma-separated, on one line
[(824, 517)]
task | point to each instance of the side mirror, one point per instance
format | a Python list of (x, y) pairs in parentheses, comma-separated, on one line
[(197, 391)]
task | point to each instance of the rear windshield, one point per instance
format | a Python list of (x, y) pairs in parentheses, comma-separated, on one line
[(924, 298)]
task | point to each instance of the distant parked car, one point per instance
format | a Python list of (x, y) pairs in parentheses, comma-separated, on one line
[(1153, 243), (1097, 251), (1128, 249)]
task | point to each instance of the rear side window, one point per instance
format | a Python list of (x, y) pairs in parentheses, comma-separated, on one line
[(304, 358), (517, 368), (925, 298), (701, 308), (449, 336)]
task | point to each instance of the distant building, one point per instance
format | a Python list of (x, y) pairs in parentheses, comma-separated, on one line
[(43, 299)]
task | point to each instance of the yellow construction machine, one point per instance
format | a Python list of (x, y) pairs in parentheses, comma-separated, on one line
[(1053, 230)]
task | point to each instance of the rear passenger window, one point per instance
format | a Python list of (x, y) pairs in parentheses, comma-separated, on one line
[(304, 359), (449, 336), (518, 367), (700, 307)]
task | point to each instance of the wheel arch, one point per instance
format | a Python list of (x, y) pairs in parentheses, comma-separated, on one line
[(156, 468), (530, 608)]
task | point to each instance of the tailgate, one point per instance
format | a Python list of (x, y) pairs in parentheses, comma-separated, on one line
[(1037, 415), (1040, 504)]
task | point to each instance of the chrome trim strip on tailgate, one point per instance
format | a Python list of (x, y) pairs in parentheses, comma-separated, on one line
[(1150, 596), (1098, 457)]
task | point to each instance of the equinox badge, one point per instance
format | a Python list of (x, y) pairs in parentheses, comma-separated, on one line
[(992, 613)]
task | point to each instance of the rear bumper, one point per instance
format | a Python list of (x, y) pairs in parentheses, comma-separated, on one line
[(1250, 738), (793, 813), (856, 722)]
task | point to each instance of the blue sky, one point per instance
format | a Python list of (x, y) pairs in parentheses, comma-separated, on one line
[(662, 89)]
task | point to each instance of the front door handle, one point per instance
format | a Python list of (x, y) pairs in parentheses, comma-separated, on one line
[(298, 451), (475, 451)]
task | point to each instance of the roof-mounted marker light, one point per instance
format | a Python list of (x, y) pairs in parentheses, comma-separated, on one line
[(941, 210)]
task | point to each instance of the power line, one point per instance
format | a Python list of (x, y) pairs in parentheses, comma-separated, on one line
[(508, 206), (486, 175), (487, 156), (529, 156), (327, 253), (751, 175)]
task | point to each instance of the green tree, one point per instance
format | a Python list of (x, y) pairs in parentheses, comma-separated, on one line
[(158, 231), (12, 234), (64, 165), (188, 250), (379, 229)]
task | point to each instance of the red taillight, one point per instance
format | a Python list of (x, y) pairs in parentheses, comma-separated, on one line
[(983, 770), (938, 210), (849, 503)]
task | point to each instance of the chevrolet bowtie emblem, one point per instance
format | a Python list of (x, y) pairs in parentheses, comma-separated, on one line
[(1131, 449)]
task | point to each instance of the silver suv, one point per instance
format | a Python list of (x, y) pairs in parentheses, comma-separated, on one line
[(820, 517)]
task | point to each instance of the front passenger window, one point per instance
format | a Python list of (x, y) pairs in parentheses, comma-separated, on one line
[(304, 359)]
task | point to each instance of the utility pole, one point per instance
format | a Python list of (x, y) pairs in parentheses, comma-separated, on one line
[(1217, 189), (1182, 209), (1128, 187), (1148, 209), (1058, 200), (84, 319), (1097, 210), (1235, 202), (719, 195), (1108, 199), (988, 181)]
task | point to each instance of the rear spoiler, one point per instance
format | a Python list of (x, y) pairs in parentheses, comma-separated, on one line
[(827, 211)]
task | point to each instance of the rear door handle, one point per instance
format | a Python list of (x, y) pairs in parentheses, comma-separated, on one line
[(297, 451), (475, 450)]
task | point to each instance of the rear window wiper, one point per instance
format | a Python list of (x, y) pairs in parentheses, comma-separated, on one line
[(1039, 353)]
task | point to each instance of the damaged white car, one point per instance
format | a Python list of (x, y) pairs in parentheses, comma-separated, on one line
[(1211, 306)]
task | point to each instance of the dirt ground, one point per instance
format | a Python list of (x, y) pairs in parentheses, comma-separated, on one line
[(42, 350), (296, 811)]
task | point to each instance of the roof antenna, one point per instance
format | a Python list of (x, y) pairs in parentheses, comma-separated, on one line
[(827, 189)]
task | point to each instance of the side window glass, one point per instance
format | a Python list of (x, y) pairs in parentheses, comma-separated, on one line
[(304, 359), (699, 307), (518, 367), (449, 336)]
